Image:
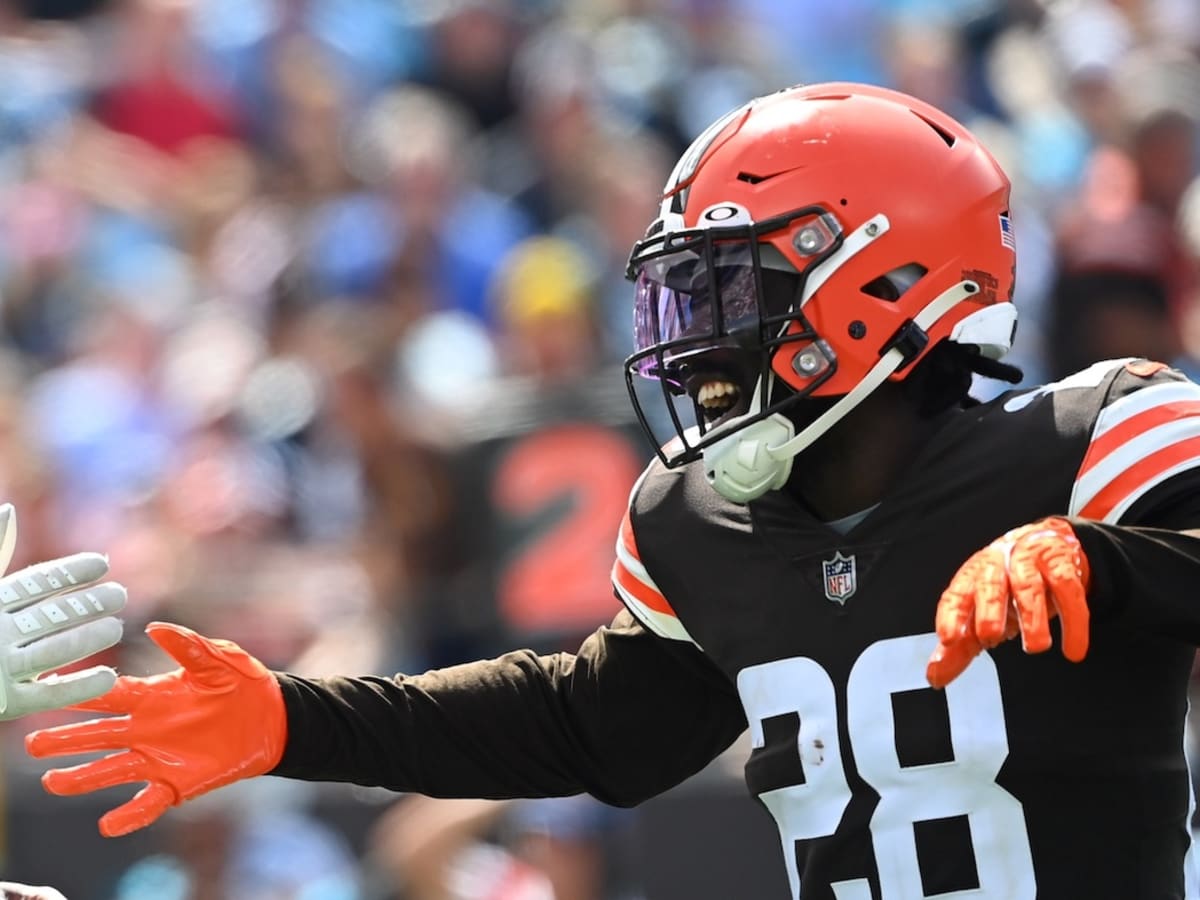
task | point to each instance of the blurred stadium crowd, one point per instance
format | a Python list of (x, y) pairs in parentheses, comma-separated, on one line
[(311, 314)]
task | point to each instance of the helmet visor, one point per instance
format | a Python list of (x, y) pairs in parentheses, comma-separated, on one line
[(712, 305), (718, 286), (681, 299)]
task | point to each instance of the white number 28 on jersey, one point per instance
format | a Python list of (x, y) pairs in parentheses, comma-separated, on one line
[(908, 795)]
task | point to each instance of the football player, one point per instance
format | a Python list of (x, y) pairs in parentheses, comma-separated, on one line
[(836, 548)]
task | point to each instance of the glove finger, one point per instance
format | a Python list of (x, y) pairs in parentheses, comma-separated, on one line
[(147, 805), (48, 579), (79, 737), (1070, 600), (208, 661), (1013, 627), (948, 661), (63, 648), (57, 691), (991, 598), (952, 614), (38, 618), (106, 772), (1029, 595), (957, 602), (8, 535)]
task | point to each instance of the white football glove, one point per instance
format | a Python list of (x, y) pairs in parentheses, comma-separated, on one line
[(53, 614)]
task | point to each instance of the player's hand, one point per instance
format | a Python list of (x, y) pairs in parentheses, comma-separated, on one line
[(10, 890), (53, 614), (218, 719), (1015, 585)]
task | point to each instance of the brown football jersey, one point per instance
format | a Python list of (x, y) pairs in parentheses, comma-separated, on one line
[(1029, 776)]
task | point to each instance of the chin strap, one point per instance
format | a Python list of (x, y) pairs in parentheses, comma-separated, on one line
[(758, 458)]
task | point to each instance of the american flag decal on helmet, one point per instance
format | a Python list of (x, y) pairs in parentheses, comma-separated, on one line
[(1007, 237)]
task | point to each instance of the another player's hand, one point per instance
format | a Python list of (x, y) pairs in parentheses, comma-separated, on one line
[(1015, 585), (53, 614), (218, 719)]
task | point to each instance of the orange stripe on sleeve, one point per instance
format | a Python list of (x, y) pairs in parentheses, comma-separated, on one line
[(1135, 425), (639, 590), (1145, 470)]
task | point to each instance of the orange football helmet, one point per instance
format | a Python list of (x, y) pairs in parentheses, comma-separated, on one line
[(814, 243)]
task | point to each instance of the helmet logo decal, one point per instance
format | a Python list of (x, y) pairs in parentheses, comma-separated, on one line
[(840, 577), (724, 215), (987, 283)]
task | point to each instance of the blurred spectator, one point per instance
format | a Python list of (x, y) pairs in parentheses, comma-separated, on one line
[(427, 849), (417, 145), (545, 457), (258, 843), (158, 92), (473, 46), (1108, 314), (544, 463)]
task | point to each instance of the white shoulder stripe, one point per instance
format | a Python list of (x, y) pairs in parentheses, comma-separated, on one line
[(1140, 401), (663, 625), (1126, 455)]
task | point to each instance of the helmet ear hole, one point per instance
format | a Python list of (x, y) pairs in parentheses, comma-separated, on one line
[(780, 291), (893, 285)]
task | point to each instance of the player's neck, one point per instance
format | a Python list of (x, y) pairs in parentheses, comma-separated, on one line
[(858, 461)]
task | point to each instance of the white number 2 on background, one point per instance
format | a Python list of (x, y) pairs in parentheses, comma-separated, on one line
[(963, 786)]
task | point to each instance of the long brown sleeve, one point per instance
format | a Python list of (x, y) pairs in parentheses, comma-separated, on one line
[(626, 717), (1147, 570)]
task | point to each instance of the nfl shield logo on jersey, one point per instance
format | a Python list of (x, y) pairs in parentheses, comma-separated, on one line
[(841, 577)]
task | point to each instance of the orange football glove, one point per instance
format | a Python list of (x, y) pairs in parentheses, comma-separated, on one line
[(1015, 585), (217, 720)]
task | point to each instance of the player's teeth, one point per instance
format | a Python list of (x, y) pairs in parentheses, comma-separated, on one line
[(716, 394)]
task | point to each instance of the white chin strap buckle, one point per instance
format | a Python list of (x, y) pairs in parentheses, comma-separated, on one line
[(741, 467)]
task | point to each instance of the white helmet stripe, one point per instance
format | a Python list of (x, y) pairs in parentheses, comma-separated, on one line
[(879, 373), (875, 227)]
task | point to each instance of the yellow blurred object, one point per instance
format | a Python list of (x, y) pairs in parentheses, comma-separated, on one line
[(543, 277)]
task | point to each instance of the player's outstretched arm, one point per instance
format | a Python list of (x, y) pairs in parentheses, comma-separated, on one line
[(1014, 586), (215, 720), (53, 614), (627, 716)]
